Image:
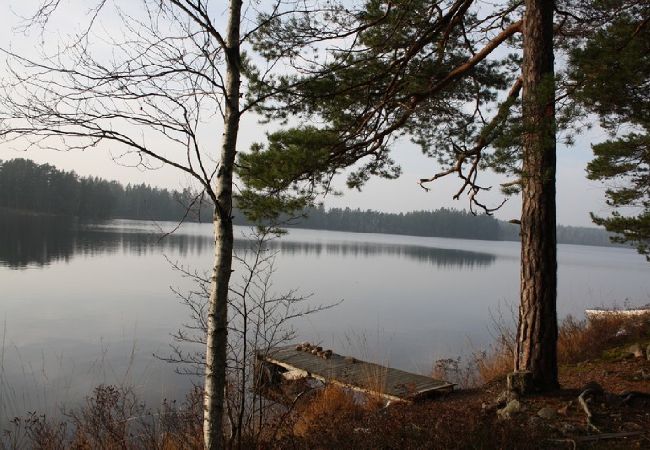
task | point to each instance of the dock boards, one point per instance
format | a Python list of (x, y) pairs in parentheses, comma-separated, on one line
[(390, 383)]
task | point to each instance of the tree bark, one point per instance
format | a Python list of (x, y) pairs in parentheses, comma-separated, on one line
[(536, 351), (217, 336)]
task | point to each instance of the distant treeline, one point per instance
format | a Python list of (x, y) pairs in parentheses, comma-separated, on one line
[(42, 188), (25, 185), (441, 223)]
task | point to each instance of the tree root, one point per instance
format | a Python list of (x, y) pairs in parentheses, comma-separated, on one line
[(585, 406)]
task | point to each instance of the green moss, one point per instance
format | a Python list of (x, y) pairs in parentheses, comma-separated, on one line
[(621, 352)]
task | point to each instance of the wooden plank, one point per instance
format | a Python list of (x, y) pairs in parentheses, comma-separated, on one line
[(363, 376)]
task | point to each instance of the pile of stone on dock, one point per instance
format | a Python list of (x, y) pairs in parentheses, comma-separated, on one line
[(314, 350)]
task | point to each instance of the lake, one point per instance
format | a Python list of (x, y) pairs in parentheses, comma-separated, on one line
[(87, 304)]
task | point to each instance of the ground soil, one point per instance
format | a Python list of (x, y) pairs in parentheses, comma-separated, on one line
[(469, 419)]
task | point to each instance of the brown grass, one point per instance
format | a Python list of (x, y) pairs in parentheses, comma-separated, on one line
[(330, 406), (497, 362), (578, 340), (113, 418), (453, 422), (588, 339), (375, 376)]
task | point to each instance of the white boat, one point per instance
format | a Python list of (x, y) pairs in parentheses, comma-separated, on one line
[(603, 312)]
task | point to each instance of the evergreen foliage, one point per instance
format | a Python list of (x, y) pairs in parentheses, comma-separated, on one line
[(269, 174), (611, 71), (443, 222), (25, 185), (411, 70)]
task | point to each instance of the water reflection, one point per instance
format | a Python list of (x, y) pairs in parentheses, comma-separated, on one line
[(38, 241), (440, 257), (35, 240)]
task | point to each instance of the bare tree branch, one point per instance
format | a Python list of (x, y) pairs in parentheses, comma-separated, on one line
[(474, 155)]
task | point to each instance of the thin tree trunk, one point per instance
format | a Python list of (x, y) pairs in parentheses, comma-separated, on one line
[(537, 332), (217, 338)]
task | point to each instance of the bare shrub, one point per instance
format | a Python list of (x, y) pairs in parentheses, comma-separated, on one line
[(112, 418), (455, 371), (36, 430), (259, 320), (104, 421), (182, 426), (498, 360)]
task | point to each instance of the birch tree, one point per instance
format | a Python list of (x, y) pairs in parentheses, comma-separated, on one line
[(159, 83), (260, 320)]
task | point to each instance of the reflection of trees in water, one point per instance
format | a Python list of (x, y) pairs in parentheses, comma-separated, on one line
[(440, 257), (36, 240), (39, 240), (141, 243)]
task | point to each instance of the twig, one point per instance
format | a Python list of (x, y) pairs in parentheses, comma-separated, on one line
[(597, 437), (473, 156), (602, 436)]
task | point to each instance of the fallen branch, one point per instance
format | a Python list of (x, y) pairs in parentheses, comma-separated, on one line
[(596, 437), (627, 397), (603, 436)]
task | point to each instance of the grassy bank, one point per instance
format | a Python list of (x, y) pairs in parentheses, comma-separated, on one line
[(604, 371), (597, 354)]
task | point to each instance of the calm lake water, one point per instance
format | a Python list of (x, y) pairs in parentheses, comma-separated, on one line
[(87, 304)]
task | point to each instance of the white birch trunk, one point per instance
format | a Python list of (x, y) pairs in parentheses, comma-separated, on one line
[(217, 338)]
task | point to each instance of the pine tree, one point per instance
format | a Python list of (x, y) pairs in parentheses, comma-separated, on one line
[(611, 72)]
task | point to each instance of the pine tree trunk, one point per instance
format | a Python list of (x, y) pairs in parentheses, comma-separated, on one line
[(217, 337), (536, 351)]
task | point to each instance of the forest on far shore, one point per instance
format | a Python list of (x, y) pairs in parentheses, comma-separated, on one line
[(42, 188)]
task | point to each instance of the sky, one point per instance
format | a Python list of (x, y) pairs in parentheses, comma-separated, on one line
[(576, 195)]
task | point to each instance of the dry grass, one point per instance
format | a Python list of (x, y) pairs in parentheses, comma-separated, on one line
[(497, 362), (376, 376), (113, 418), (587, 339), (328, 407), (578, 340), (453, 422)]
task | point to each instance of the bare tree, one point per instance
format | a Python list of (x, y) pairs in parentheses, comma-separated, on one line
[(260, 319), (159, 90)]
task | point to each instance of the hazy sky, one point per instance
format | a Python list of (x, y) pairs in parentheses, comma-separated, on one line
[(577, 196)]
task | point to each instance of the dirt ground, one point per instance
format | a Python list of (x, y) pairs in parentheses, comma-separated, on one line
[(619, 401)]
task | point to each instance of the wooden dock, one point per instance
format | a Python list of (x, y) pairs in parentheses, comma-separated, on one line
[(351, 373)]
